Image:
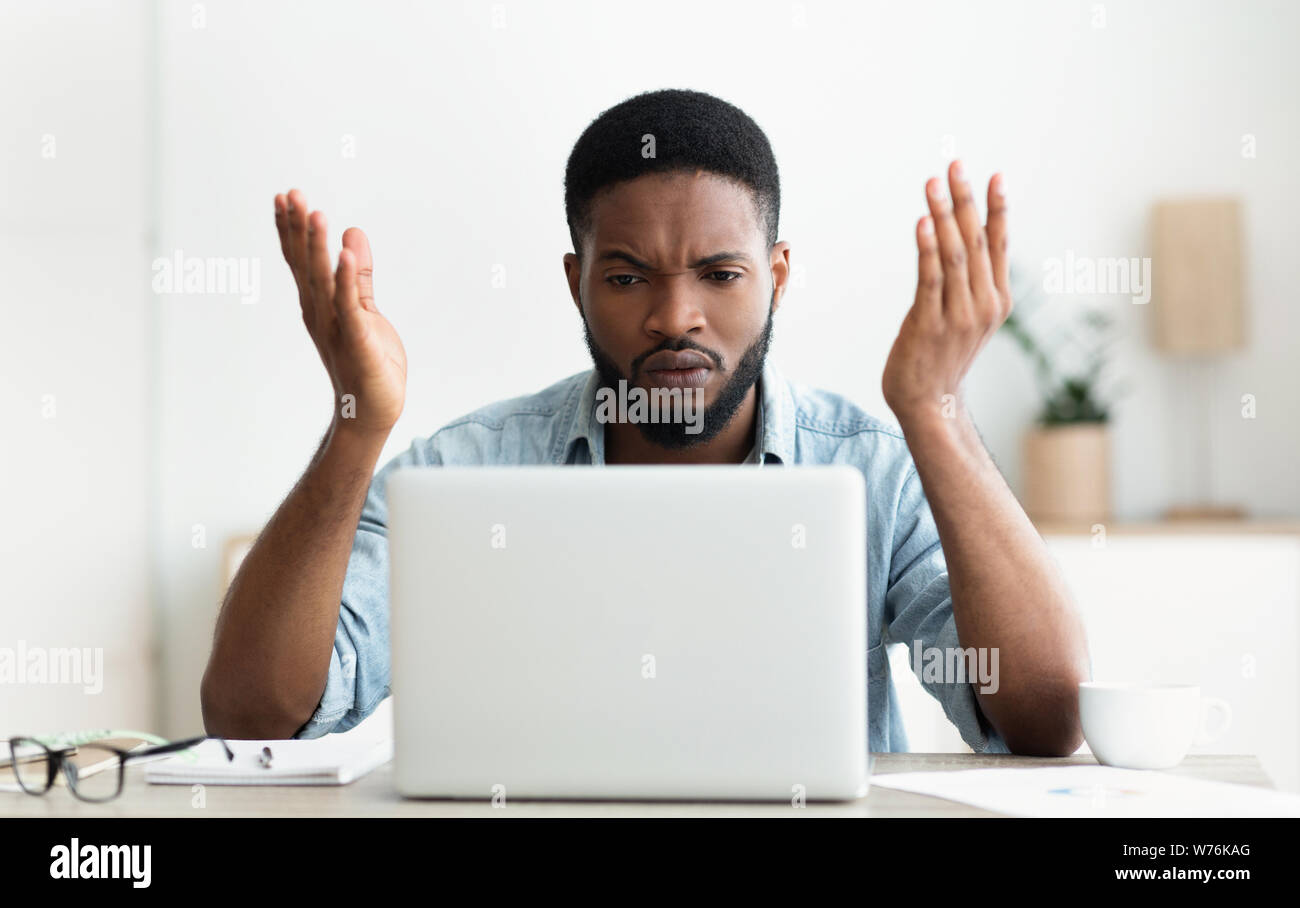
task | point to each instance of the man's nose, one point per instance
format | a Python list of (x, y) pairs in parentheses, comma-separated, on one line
[(674, 311)]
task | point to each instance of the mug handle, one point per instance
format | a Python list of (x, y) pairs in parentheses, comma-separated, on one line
[(1209, 705)]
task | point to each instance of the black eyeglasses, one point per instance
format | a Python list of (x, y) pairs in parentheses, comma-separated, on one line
[(94, 772)]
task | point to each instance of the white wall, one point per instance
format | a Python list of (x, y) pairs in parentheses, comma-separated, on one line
[(461, 133), (75, 370)]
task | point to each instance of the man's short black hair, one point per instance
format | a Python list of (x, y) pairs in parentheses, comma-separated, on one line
[(692, 130)]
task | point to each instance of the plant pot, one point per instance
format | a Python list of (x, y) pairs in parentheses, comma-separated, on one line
[(1067, 473)]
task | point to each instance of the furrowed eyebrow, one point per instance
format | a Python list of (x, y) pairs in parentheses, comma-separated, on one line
[(610, 255)]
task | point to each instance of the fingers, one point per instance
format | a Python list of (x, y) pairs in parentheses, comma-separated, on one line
[(929, 278), (347, 300), (318, 260), (304, 242), (952, 251), (297, 228), (291, 222), (997, 234), (282, 225), (355, 241), (972, 233)]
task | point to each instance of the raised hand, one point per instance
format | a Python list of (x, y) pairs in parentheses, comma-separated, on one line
[(962, 296), (361, 352)]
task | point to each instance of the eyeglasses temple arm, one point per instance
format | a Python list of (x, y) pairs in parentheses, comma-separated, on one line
[(173, 746)]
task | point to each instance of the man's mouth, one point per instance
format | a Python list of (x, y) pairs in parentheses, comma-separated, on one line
[(679, 378), (681, 369)]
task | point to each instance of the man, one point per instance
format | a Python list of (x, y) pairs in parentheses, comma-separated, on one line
[(672, 199)]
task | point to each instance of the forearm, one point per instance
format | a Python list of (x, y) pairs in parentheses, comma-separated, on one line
[(271, 651), (1006, 590)]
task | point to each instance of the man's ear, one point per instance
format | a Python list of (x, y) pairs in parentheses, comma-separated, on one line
[(779, 262), (573, 274)]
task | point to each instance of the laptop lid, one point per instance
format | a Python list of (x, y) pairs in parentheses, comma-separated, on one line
[(629, 632)]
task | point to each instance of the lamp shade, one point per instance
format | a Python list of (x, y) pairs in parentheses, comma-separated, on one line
[(1196, 276)]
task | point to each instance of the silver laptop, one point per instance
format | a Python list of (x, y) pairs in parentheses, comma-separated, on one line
[(629, 632)]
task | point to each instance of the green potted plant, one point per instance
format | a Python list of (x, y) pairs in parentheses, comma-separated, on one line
[(1067, 450)]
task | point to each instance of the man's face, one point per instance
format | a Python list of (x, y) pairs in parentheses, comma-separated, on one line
[(676, 272)]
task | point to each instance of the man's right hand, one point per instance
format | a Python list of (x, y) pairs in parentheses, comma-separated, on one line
[(361, 352)]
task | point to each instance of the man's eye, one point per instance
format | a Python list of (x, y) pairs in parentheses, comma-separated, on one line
[(732, 276), (614, 279)]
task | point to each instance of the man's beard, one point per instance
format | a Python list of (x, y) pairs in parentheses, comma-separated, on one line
[(717, 415)]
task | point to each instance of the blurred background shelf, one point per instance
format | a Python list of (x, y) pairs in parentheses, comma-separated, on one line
[(1214, 604)]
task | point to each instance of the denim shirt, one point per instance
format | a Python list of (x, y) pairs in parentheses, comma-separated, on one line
[(908, 597)]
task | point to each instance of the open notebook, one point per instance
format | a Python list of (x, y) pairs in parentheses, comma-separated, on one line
[(330, 760)]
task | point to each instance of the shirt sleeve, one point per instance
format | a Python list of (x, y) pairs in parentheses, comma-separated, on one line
[(918, 609), (359, 675)]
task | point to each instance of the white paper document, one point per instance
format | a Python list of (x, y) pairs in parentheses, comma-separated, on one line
[(329, 760), (1094, 791)]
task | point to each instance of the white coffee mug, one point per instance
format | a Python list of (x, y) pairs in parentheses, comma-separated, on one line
[(1146, 726)]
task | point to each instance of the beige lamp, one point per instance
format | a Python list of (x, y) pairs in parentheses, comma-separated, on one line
[(1199, 313)]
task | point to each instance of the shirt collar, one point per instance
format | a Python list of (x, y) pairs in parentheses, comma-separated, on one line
[(775, 431)]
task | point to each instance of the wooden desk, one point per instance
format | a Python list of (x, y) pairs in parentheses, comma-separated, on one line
[(374, 796)]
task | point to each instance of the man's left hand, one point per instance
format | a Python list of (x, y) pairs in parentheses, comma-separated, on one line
[(962, 296)]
